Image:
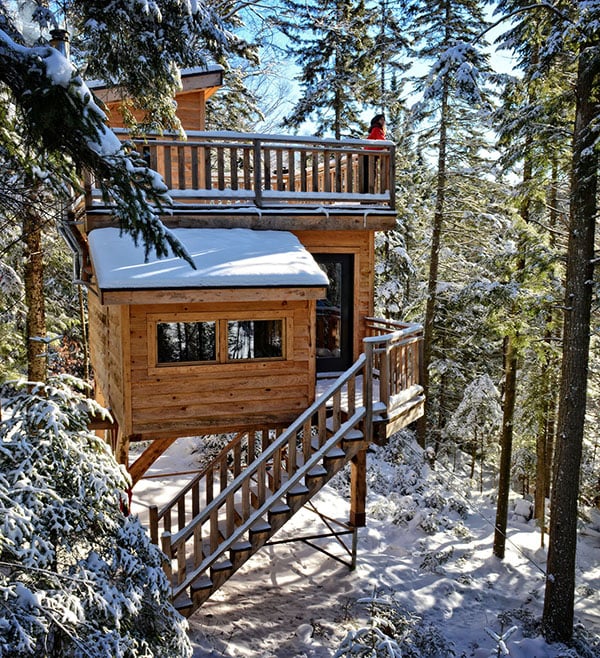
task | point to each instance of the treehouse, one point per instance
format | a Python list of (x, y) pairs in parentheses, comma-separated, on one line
[(269, 339)]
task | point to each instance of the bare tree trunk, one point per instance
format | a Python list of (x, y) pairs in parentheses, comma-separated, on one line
[(557, 620), (34, 297)]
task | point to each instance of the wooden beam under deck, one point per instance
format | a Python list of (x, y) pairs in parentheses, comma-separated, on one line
[(367, 218)]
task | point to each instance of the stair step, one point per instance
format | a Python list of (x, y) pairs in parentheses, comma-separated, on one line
[(201, 584), (317, 472), (298, 490), (261, 526), (354, 435), (241, 546), (183, 605), (334, 453), (222, 566), (279, 508)]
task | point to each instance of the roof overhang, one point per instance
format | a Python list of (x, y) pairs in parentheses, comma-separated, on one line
[(208, 79), (231, 265)]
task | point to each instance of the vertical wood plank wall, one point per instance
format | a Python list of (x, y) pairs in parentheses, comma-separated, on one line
[(362, 245), (191, 110), (106, 354)]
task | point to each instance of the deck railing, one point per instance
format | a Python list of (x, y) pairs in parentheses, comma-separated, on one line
[(267, 170), (396, 349)]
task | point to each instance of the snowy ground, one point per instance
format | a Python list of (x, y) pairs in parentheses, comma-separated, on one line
[(291, 601)]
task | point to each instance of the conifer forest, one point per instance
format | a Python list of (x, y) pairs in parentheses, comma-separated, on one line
[(494, 110)]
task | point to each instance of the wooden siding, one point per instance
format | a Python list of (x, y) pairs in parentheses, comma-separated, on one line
[(207, 398), (108, 358), (191, 111), (362, 246)]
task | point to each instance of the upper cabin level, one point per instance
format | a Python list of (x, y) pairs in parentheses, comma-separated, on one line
[(235, 180), (223, 179)]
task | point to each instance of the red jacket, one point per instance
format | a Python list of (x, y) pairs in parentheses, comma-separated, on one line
[(376, 132)]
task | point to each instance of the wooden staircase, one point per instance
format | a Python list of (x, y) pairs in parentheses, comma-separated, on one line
[(261, 479)]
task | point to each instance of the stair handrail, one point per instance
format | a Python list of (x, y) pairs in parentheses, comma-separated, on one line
[(244, 527), (281, 441)]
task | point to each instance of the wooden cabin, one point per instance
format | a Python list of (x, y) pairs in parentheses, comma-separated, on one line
[(270, 339)]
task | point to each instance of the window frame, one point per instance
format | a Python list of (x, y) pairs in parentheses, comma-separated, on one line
[(221, 340)]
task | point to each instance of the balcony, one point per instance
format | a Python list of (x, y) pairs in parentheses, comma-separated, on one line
[(228, 179)]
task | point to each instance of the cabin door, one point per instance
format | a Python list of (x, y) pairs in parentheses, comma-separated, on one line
[(335, 313)]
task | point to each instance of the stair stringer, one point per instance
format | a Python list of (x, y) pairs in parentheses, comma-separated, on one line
[(260, 500)]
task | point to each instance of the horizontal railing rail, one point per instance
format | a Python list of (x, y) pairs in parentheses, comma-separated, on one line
[(265, 170), (397, 359)]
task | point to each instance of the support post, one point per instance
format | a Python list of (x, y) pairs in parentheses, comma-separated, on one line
[(358, 489)]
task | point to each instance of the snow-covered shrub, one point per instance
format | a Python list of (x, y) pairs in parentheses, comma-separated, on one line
[(522, 510), (410, 492), (78, 577), (392, 632), (433, 560)]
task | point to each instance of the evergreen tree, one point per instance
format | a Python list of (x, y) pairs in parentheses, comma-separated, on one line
[(79, 578), (330, 41), (451, 107), (572, 36), (52, 127)]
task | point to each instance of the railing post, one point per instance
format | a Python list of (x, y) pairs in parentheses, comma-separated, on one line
[(392, 181), (153, 522), (258, 173), (368, 391), (165, 542), (87, 187)]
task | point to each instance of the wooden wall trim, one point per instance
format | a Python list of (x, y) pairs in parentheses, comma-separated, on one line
[(208, 295)]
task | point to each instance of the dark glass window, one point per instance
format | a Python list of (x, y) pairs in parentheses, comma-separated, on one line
[(254, 339), (181, 342)]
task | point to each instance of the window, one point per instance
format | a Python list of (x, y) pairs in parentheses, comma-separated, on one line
[(182, 342), (254, 339), (215, 341)]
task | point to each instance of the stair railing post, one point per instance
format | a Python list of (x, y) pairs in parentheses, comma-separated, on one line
[(165, 541), (368, 390), (153, 523), (258, 172)]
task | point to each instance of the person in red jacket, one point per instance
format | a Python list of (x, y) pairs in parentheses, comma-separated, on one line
[(376, 131)]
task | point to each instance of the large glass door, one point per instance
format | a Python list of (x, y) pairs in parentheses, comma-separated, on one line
[(334, 313)]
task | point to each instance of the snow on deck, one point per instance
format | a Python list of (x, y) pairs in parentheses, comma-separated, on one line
[(224, 258)]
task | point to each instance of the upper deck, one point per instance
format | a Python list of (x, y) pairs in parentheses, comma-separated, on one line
[(258, 181)]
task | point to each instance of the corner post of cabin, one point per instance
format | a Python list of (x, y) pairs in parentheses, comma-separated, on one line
[(258, 172), (122, 449)]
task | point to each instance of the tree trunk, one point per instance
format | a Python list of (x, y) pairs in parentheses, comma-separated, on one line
[(434, 261), (35, 327), (508, 412), (557, 621)]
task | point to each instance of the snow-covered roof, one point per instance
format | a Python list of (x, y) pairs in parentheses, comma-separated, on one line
[(224, 258)]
